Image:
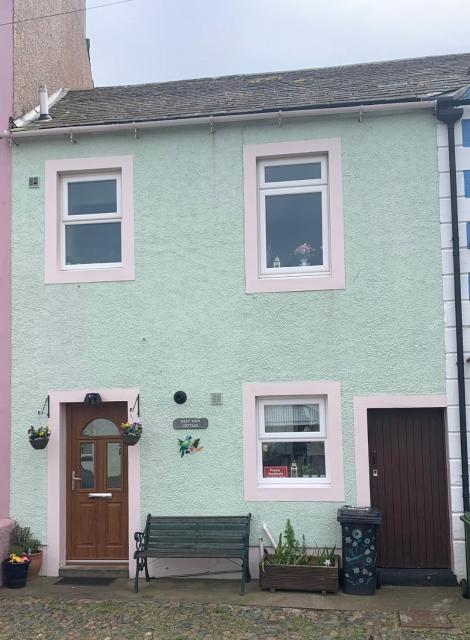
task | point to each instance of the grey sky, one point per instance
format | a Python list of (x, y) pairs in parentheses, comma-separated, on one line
[(158, 40)]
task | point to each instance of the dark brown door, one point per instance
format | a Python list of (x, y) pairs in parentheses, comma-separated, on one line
[(408, 483), (97, 505)]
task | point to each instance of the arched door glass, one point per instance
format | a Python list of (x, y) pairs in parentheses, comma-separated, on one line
[(101, 427)]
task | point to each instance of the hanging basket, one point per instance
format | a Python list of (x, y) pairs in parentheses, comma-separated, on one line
[(39, 443), (130, 439)]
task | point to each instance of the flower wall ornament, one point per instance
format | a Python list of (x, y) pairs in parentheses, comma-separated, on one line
[(188, 445)]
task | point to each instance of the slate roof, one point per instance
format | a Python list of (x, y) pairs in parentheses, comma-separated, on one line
[(378, 82)]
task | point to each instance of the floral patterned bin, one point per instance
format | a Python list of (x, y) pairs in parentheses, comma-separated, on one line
[(359, 529)]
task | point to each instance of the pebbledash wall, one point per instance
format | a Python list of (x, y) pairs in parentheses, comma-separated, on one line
[(462, 140), (186, 323)]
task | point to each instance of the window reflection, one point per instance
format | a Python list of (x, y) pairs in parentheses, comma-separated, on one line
[(113, 474), (87, 465)]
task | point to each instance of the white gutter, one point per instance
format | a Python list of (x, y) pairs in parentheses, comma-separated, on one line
[(212, 121)]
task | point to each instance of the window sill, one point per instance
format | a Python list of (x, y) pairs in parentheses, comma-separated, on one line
[(312, 493), (118, 274), (266, 284)]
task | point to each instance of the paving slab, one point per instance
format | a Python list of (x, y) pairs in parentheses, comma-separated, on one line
[(210, 591)]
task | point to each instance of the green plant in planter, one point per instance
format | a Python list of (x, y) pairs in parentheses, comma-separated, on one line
[(289, 551), (23, 541)]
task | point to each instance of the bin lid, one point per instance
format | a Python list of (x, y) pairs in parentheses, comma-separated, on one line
[(466, 518), (369, 515)]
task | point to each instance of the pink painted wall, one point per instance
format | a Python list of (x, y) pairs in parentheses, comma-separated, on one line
[(6, 108)]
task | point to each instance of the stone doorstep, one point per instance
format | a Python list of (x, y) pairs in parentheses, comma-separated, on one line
[(424, 620), (94, 571)]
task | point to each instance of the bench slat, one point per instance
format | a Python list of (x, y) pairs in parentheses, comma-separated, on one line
[(202, 520), (189, 553), (198, 525), (179, 544), (202, 533)]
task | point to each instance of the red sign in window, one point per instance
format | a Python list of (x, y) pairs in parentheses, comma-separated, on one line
[(275, 472)]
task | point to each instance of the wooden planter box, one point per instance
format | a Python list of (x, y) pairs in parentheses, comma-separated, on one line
[(299, 577)]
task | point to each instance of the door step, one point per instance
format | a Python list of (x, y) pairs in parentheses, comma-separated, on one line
[(417, 577), (94, 571)]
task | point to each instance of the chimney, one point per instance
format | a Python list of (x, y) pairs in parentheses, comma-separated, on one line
[(43, 103)]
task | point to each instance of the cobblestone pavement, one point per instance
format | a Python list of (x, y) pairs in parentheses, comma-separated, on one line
[(44, 619)]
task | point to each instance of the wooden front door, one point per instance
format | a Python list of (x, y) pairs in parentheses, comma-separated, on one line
[(97, 500), (408, 483)]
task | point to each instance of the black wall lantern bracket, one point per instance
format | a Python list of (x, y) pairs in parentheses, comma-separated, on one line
[(136, 403), (46, 404)]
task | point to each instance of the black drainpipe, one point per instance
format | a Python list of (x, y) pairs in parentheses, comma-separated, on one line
[(449, 114)]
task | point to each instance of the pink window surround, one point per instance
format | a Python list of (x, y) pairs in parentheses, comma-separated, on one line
[(256, 492), (361, 439), (56, 451), (6, 109), (252, 154), (54, 170)]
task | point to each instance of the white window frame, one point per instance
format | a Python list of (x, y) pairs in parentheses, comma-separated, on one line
[(259, 489), (329, 275), (301, 436), (89, 218), (299, 270), (58, 173)]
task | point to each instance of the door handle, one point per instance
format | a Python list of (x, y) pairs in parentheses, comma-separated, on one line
[(100, 495), (74, 479)]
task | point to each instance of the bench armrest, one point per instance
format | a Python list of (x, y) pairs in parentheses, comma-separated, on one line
[(139, 537)]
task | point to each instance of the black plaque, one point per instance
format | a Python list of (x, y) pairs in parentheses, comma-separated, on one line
[(190, 423)]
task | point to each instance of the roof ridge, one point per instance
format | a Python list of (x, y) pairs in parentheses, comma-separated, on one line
[(272, 73)]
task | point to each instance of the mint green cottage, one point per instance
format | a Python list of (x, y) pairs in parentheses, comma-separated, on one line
[(251, 261)]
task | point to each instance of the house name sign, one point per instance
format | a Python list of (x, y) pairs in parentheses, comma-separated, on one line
[(190, 423)]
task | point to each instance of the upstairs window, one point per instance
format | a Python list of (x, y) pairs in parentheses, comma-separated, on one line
[(89, 220), (293, 216), (293, 205)]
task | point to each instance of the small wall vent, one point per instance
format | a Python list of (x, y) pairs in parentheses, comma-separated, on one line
[(33, 182), (216, 398)]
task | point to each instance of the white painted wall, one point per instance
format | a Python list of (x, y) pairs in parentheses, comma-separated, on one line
[(455, 467)]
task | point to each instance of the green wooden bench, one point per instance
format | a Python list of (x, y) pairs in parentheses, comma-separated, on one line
[(193, 537)]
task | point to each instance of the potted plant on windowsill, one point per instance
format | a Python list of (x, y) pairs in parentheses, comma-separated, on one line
[(15, 570), (131, 431), (23, 542), (292, 567), (39, 437), (303, 252)]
